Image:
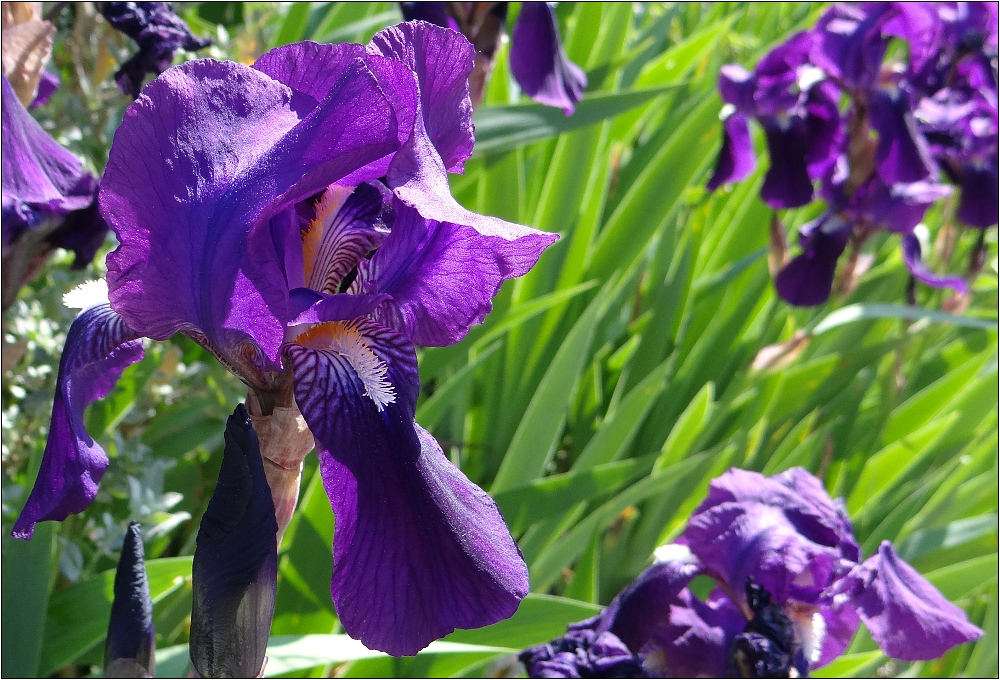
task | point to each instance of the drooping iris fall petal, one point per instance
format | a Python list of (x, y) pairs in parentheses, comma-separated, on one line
[(99, 347), (539, 62), (419, 550)]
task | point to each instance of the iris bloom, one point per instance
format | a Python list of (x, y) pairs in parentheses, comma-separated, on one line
[(157, 30), (791, 588), (247, 204), (48, 199), (881, 162), (129, 650), (537, 58)]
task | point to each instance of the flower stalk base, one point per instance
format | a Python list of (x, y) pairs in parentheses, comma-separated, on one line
[(285, 440)]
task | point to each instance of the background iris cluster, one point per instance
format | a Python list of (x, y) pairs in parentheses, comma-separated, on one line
[(646, 353)]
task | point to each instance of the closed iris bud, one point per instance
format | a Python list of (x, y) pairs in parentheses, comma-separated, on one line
[(235, 563), (129, 649)]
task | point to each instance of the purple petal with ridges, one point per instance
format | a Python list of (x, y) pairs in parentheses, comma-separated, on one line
[(443, 276), (309, 68), (695, 640), (419, 550), (234, 572), (418, 179), (131, 637), (229, 157), (907, 617), (308, 306), (978, 206), (736, 158), (350, 223), (807, 280), (539, 62), (41, 179), (99, 347), (442, 61), (639, 611), (902, 154), (787, 183), (750, 526), (910, 246)]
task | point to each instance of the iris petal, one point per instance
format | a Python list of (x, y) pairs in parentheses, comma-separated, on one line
[(807, 280), (442, 61), (539, 62), (230, 153), (443, 275), (912, 257), (418, 549), (736, 159), (99, 347), (906, 615)]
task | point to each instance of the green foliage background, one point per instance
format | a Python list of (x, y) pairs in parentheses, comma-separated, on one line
[(604, 392)]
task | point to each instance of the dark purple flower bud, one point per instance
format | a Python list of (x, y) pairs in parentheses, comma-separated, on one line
[(539, 62), (736, 158), (158, 32), (130, 646), (235, 563)]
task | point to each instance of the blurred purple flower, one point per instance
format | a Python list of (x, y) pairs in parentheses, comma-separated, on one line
[(234, 575), (48, 199), (157, 30), (791, 589), (878, 162), (129, 650), (537, 58), (253, 234)]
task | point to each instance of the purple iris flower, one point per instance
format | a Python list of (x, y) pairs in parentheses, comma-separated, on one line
[(262, 231), (234, 576), (129, 651), (48, 199), (879, 160), (537, 58), (798, 111), (791, 589), (157, 30)]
